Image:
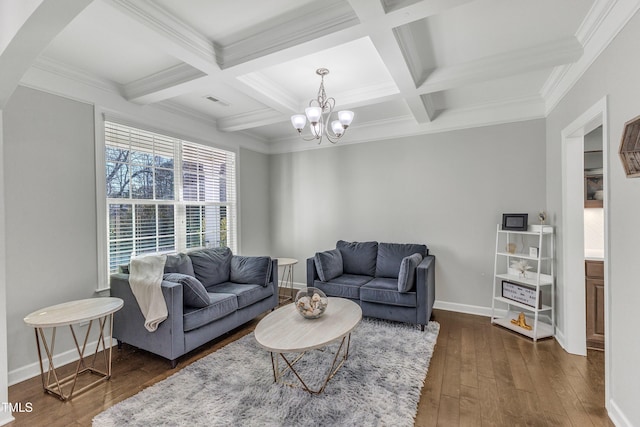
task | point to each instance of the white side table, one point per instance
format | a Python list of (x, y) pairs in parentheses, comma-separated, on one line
[(286, 280), (70, 314)]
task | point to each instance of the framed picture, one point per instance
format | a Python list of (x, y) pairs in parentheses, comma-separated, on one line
[(520, 293), (593, 195), (515, 222)]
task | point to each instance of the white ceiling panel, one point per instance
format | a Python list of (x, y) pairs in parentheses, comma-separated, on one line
[(398, 62), (103, 42), (219, 20), (356, 73), (491, 27)]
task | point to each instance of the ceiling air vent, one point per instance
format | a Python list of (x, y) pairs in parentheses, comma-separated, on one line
[(217, 100)]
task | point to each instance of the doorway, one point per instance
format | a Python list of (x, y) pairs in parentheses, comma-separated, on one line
[(572, 280)]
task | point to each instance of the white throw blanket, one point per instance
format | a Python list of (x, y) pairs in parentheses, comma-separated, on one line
[(145, 279)]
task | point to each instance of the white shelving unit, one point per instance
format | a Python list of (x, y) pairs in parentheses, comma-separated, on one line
[(540, 279)]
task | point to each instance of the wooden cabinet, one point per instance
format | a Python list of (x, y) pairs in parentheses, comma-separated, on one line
[(594, 273)]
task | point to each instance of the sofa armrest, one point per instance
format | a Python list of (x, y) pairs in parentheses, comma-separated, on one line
[(128, 323), (312, 273), (425, 288)]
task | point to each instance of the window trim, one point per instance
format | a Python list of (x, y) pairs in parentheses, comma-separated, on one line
[(100, 117)]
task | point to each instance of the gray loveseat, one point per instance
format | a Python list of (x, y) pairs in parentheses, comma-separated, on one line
[(208, 293), (388, 280)]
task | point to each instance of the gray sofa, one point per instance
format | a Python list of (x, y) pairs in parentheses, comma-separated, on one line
[(208, 293), (388, 280)]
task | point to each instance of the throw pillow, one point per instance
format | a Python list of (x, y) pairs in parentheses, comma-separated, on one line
[(407, 276), (328, 264), (358, 257), (179, 263), (390, 255), (193, 292), (211, 266), (253, 270)]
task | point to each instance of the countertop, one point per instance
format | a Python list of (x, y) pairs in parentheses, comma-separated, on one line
[(594, 254)]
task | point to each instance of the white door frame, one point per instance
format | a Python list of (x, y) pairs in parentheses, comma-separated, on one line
[(573, 276)]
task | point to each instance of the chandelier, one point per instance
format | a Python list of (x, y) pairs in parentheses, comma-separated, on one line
[(319, 114)]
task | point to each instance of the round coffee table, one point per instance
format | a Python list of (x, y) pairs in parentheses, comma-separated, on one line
[(286, 331)]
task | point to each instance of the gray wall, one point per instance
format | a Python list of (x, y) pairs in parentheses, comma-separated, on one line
[(255, 206), (49, 166), (616, 74), (50, 198), (447, 190)]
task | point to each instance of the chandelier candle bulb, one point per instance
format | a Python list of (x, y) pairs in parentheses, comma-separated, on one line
[(337, 127), (345, 117), (299, 121), (313, 114)]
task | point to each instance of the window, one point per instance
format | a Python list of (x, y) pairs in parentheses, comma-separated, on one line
[(165, 195)]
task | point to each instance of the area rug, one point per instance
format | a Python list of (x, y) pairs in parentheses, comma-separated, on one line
[(379, 385)]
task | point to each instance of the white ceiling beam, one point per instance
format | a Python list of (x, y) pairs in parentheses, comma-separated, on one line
[(519, 61), (29, 35), (420, 10), (385, 42), (165, 84), (317, 20), (170, 35)]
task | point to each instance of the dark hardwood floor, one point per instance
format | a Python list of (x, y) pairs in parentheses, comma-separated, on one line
[(480, 375)]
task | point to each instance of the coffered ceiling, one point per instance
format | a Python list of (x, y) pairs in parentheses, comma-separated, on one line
[(403, 66)]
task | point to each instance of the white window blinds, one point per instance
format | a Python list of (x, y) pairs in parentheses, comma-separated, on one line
[(166, 195)]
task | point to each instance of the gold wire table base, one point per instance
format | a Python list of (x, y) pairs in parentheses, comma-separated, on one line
[(335, 366), (287, 282), (55, 386)]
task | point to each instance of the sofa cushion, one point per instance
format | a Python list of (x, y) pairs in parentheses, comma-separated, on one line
[(250, 269), (220, 305), (179, 263), (358, 257), (345, 286), (407, 274), (385, 291), (390, 257), (246, 294), (193, 292), (328, 264), (211, 266)]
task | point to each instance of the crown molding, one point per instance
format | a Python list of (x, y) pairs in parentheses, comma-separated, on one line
[(279, 98), (55, 67), (545, 55), (176, 108), (603, 22), (250, 120), (163, 84), (318, 21), (490, 114), (184, 42)]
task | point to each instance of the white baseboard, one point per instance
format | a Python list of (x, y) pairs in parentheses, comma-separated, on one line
[(468, 309), (617, 416), (5, 418), (561, 339), (32, 370)]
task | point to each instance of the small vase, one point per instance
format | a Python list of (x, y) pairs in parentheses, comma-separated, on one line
[(523, 275)]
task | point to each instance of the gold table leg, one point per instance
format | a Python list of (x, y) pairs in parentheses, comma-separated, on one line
[(55, 387), (286, 282), (335, 366)]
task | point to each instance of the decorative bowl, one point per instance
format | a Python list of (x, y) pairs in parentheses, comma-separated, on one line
[(311, 302)]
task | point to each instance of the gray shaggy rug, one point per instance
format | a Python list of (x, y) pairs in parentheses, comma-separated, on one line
[(379, 385)]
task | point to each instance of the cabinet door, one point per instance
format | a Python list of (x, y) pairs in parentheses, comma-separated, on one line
[(595, 313)]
